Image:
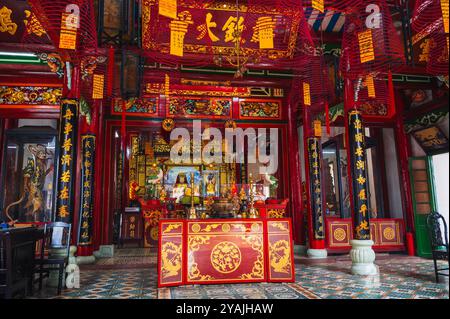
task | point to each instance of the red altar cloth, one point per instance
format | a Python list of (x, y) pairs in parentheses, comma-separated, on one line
[(217, 251)]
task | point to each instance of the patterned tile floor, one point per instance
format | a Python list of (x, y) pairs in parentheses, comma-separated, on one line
[(132, 274)]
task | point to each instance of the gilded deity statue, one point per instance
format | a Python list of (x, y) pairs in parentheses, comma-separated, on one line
[(211, 185), (34, 174)]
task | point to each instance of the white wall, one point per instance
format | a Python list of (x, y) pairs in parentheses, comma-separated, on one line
[(392, 174), (38, 122), (441, 181)]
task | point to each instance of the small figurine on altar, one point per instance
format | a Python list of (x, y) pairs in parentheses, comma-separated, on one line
[(211, 185), (243, 205), (236, 204), (272, 182), (162, 193), (180, 187), (153, 180), (134, 188)]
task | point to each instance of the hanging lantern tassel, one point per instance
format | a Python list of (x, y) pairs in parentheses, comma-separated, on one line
[(327, 117), (122, 126), (110, 81), (391, 106)]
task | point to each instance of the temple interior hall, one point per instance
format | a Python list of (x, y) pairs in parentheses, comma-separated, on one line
[(224, 149)]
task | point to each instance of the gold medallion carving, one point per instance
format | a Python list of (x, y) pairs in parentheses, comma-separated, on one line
[(389, 233), (196, 228), (339, 234), (226, 257)]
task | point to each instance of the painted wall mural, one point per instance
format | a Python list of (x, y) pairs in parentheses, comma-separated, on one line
[(259, 109), (138, 106), (17, 95), (199, 107)]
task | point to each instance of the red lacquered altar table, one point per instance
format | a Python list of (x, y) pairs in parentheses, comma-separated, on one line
[(217, 251)]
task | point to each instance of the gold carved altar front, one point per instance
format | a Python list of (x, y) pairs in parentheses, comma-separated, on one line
[(221, 251)]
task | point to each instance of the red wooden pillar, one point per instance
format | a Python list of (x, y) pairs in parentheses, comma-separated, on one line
[(314, 244), (403, 150), (348, 105), (100, 190), (295, 177)]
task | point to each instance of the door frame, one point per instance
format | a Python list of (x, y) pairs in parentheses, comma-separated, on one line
[(422, 237)]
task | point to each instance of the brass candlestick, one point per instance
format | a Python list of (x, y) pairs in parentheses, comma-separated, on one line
[(253, 212), (192, 212)]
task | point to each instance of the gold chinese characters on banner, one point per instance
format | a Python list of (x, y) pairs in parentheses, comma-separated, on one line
[(178, 30), (168, 8), (97, 86), (265, 27), (444, 8), (370, 86), (317, 128), (65, 182), (366, 51), (306, 94), (87, 188)]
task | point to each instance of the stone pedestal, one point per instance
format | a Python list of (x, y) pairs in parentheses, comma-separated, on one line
[(316, 253), (363, 256), (300, 250), (85, 260)]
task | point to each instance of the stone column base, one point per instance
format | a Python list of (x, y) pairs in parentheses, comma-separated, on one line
[(84, 260), (363, 256), (300, 249), (316, 253)]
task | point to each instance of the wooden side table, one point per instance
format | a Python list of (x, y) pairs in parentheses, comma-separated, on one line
[(132, 229)]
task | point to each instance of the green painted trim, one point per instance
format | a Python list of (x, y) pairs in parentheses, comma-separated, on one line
[(7, 59), (423, 247), (430, 176), (426, 120)]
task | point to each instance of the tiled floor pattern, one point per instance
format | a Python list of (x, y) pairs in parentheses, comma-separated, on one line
[(401, 277), (130, 256)]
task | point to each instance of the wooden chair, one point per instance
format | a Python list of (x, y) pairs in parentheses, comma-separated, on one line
[(17, 249), (439, 243), (56, 236)]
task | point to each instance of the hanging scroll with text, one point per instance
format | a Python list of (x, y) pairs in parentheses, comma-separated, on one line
[(359, 176), (67, 146), (87, 187), (315, 187)]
